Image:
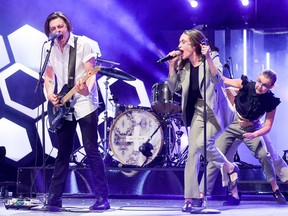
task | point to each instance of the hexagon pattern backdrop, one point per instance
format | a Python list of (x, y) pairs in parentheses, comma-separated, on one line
[(123, 32), (20, 138)]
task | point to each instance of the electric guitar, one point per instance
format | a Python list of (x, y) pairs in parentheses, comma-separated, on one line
[(56, 115)]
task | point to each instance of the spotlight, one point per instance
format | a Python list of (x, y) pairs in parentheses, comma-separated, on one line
[(245, 2), (193, 3), (145, 149)]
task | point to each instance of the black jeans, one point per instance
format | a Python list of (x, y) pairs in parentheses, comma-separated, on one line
[(65, 137)]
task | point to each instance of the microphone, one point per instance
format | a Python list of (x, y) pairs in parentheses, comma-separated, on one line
[(226, 67), (205, 41), (53, 37), (168, 57)]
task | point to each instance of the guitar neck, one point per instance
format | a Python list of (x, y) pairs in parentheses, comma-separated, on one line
[(69, 95)]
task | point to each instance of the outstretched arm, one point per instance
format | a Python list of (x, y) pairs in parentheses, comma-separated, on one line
[(269, 119), (236, 83)]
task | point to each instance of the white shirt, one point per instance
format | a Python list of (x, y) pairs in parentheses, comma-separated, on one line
[(83, 105)]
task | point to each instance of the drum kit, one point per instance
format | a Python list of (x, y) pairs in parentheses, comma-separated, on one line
[(142, 136)]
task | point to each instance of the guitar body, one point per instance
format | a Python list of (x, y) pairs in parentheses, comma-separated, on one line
[(56, 115)]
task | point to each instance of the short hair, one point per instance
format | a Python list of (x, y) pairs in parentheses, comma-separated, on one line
[(270, 74), (53, 16)]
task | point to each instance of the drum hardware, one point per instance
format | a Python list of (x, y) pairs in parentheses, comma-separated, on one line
[(182, 158), (177, 155), (285, 156), (146, 147), (178, 122), (112, 64), (105, 140), (167, 143), (118, 74), (166, 104), (164, 158)]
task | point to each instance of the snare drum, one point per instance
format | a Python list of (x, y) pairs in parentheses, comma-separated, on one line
[(163, 100), (129, 131)]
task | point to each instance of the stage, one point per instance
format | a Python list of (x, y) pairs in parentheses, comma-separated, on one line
[(146, 182), (142, 191), (249, 206)]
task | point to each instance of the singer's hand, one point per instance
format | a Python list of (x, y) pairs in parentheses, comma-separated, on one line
[(172, 63), (249, 136), (174, 54), (205, 50)]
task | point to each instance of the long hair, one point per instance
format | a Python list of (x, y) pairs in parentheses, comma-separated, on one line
[(196, 37), (53, 16)]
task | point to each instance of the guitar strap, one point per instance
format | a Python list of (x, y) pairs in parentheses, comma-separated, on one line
[(72, 65)]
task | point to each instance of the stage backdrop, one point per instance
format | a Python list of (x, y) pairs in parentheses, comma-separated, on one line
[(133, 35)]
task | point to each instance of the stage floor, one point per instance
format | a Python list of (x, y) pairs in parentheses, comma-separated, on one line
[(263, 205)]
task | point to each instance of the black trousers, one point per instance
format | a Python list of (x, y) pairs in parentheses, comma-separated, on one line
[(65, 137)]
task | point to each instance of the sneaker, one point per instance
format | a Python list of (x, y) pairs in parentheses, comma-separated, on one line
[(187, 207), (100, 204), (279, 197), (231, 201), (54, 203)]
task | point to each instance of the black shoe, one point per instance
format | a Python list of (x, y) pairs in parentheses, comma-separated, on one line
[(187, 207), (231, 201), (279, 197), (197, 202), (54, 203), (233, 184), (100, 204)]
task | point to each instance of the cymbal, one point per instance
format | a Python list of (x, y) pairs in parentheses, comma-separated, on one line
[(107, 61), (116, 73)]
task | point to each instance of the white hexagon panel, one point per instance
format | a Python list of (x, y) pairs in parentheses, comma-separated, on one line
[(116, 92), (15, 139), (26, 44), (4, 60)]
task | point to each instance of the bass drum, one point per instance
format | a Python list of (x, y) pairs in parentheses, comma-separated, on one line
[(132, 129)]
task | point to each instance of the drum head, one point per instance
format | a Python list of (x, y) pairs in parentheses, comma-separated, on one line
[(132, 129)]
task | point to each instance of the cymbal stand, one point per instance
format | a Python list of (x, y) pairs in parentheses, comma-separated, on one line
[(166, 121), (179, 134), (105, 130)]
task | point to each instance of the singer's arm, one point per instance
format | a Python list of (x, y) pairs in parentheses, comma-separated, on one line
[(236, 83), (205, 50)]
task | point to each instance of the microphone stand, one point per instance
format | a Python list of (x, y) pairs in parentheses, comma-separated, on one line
[(40, 82), (205, 210)]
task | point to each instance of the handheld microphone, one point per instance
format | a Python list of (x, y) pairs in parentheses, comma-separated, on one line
[(168, 57), (227, 63), (226, 67), (205, 41), (53, 37)]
